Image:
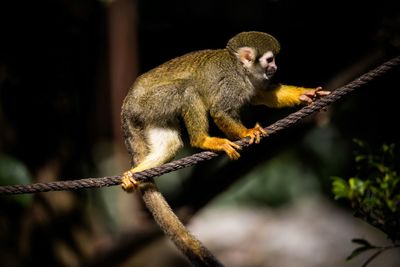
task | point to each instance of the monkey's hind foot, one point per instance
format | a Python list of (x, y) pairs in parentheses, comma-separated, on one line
[(221, 144), (128, 182)]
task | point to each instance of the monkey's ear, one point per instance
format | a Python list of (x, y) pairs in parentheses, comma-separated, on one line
[(246, 55)]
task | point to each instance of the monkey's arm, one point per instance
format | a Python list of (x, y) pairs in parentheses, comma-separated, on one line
[(234, 129), (195, 118), (287, 96)]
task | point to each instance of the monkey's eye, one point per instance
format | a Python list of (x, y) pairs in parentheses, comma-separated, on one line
[(270, 59)]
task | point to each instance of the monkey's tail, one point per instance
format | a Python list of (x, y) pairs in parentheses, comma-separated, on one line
[(190, 246), (136, 143)]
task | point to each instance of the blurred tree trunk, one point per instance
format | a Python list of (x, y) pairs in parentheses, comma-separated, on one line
[(123, 60)]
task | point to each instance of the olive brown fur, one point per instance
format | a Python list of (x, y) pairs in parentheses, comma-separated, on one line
[(189, 88)]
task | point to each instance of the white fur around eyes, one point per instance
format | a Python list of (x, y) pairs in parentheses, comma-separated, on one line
[(263, 59)]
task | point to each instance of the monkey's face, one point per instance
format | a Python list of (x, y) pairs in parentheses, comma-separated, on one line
[(267, 66), (260, 68)]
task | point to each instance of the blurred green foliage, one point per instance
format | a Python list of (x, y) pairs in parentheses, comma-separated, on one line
[(13, 172), (374, 192)]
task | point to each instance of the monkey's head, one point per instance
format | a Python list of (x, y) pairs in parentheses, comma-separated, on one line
[(256, 51)]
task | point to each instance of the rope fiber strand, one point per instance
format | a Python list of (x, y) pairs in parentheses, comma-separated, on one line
[(205, 155)]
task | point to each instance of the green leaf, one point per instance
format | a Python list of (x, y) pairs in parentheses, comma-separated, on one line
[(357, 185), (388, 149), (365, 245), (340, 188), (358, 251), (359, 158), (361, 241), (392, 205), (381, 167), (359, 142)]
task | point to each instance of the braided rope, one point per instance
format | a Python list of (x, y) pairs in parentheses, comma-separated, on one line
[(205, 155)]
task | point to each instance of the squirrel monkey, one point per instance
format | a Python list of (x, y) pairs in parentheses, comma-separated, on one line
[(216, 82)]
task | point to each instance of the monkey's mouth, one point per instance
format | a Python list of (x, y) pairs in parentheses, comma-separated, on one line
[(269, 74)]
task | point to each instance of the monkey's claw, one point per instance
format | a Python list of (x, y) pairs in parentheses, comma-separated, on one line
[(222, 144), (128, 182), (230, 149), (255, 134), (311, 95)]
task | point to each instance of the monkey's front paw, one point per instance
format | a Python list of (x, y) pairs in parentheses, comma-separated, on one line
[(311, 95), (255, 134), (128, 182)]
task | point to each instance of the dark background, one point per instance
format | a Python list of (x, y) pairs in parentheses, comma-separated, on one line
[(56, 113)]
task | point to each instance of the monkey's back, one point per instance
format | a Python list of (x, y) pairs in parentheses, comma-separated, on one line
[(161, 92), (185, 67)]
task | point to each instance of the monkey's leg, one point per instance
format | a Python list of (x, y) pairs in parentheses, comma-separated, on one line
[(163, 143), (195, 117), (135, 140), (162, 146), (235, 129)]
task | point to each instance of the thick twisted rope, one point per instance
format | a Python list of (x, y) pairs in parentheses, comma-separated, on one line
[(205, 155)]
